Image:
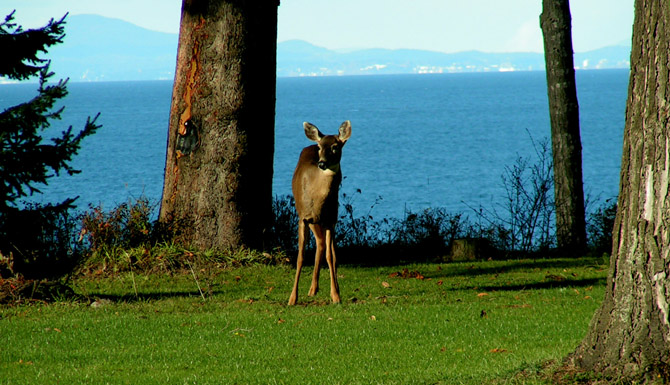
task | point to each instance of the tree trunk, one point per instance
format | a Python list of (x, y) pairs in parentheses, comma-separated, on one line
[(565, 137), (630, 334), (218, 171)]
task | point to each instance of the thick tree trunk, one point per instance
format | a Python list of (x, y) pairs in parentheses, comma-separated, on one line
[(565, 137), (630, 334), (218, 171)]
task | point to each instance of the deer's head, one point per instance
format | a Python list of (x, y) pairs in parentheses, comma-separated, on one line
[(330, 146)]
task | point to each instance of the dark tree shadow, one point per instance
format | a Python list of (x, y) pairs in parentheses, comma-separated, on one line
[(140, 297), (551, 284), (470, 270)]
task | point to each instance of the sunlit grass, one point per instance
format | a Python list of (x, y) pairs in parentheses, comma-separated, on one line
[(462, 323)]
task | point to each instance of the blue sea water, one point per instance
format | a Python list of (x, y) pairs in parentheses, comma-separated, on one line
[(418, 141)]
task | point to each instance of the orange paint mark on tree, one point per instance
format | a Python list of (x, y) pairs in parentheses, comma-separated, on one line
[(191, 80), (188, 91)]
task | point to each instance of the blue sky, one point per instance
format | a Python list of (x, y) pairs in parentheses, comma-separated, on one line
[(437, 25)]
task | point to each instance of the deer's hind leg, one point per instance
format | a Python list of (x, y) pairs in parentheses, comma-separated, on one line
[(320, 242), (330, 258)]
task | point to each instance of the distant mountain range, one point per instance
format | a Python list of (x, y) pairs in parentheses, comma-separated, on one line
[(299, 58), (97, 48)]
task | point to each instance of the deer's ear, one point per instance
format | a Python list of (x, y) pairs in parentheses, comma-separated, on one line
[(312, 132), (345, 131)]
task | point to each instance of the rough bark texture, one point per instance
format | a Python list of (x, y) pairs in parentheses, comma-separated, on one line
[(218, 171), (630, 334), (565, 137)]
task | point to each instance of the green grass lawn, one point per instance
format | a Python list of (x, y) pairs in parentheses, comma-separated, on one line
[(463, 323)]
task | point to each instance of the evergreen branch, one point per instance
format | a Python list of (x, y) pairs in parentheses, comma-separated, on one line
[(20, 48), (25, 161)]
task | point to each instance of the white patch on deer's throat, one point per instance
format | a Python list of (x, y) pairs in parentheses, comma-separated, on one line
[(649, 196), (332, 170)]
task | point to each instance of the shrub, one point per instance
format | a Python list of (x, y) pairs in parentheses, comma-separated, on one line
[(358, 231), (527, 224), (126, 238), (40, 241), (599, 227), (126, 226), (284, 230), (429, 232)]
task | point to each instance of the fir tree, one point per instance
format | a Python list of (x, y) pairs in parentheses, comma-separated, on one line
[(27, 160)]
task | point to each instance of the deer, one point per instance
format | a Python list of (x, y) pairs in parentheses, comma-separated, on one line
[(316, 183)]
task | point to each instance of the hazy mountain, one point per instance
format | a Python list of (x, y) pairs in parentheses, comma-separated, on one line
[(97, 48), (617, 56), (299, 58)]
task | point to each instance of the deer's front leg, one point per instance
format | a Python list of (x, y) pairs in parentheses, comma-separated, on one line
[(301, 250)]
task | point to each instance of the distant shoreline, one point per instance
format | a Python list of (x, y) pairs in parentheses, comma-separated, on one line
[(71, 81)]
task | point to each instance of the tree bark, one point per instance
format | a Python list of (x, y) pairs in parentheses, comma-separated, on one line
[(218, 169), (630, 334), (565, 137)]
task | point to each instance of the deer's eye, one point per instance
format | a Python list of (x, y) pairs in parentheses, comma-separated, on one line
[(334, 149)]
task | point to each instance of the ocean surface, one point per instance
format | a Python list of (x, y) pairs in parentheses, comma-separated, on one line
[(418, 141)]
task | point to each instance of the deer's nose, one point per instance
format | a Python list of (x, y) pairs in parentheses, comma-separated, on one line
[(322, 165)]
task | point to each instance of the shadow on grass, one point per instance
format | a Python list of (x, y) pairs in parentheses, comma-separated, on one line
[(472, 270), (392, 256), (141, 297), (552, 284)]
